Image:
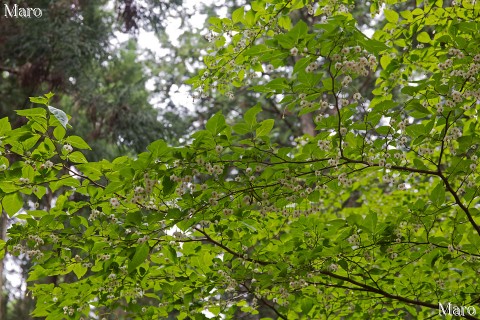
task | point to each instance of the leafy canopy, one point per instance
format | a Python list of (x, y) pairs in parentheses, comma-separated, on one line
[(376, 214)]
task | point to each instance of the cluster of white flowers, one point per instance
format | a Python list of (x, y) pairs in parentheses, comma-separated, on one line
[(230, 95), (312, 66), (68, 310), (230, 282), (333, 162), (210, 37), (333, 267), (227, 211), (357, 96), (298, 284), (343, 180), (346, 81), (425, 151), (453, 134), (215, 169), (324, 145), (24, 180), (38, 241), (357, 67), (400, 156), (94, 214), (35, 253), (46, 165), (403, 125), (114, 202), (143, 239), (354, 239), (445, 65), (213, 200), (388, 178), (283, 293), (456, 96), (456, 52)]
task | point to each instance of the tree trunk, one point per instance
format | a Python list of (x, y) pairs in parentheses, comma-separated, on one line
[(308, 126)]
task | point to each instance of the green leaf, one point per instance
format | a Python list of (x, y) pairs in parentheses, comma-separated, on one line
[(77, 142), (168, 185), (391, 15), (251, 115), (265, 127), (423, 37), (39, 100), (79, 270), (298, 31), (371, 221), (437, 196), (242, 128), (216, 123), (158, 148), (141, 254), (114, 187), (4, 126), (77, 157), (385, 61), (238, 15), (34, 112), (12, 203), (60, 115), (59, 132)]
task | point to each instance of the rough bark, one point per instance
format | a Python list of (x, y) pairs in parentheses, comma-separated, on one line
[(308, 126)]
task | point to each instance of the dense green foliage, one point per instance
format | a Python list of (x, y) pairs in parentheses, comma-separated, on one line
[(374, 216)]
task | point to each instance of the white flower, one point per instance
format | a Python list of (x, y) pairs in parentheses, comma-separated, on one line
[(68, 148), (294, 51), (24, 180), (333, 267), (346, 81), (114, 202)]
